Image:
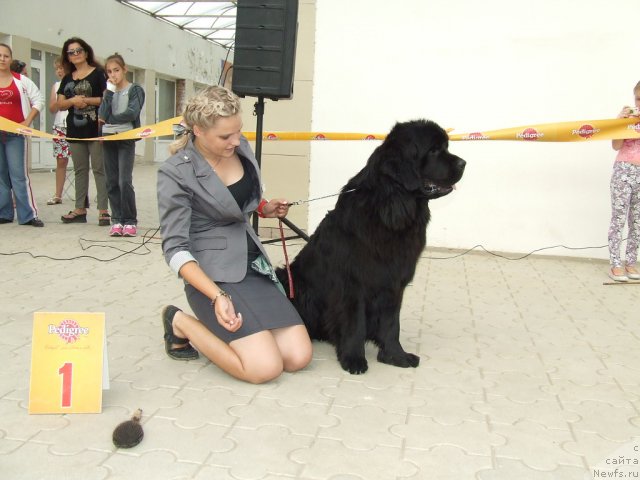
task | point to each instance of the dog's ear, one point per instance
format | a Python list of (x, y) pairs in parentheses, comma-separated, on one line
[(401, 162)]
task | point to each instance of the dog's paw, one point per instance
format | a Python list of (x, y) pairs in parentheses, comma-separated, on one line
[(354, 365), (403, 360)]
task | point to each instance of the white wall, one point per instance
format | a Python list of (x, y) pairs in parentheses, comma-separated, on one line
[(477, 66)]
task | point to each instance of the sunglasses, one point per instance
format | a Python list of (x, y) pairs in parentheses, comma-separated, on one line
[(75, 51)]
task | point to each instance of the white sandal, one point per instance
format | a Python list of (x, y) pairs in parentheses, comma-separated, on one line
[(617, 278), (54, 201), (632, 272)]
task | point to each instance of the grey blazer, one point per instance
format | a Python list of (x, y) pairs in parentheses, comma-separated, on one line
[(199, 218)]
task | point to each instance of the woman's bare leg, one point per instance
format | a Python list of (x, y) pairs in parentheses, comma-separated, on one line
[(294, 345), (255, 358), (61, 175)]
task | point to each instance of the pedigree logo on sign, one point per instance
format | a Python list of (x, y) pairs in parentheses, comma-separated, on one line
[(68, 330)]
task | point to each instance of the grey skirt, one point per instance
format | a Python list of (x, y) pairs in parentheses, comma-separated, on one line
[(262, 305)]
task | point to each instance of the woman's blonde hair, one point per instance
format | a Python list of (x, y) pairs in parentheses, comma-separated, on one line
[(204, 110)]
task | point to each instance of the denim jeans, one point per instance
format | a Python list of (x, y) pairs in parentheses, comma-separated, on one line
[(14, 176), (118, 157)]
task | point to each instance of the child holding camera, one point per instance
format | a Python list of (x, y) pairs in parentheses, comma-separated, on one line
[(625, 200)]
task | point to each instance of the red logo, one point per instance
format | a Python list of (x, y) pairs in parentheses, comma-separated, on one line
[(370, 137), (145, 133), (586, 131), (68, 330), (530, 134), (320, 136), (635, 126), (271, 136), (5, 95), (24, 131)]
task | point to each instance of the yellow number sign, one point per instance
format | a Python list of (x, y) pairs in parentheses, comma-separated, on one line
[(67, 359)]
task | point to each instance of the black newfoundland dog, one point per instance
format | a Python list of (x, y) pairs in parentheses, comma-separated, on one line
[(350, 277)]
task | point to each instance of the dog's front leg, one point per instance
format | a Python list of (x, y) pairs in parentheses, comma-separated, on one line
[(350, 344), (390, 351)]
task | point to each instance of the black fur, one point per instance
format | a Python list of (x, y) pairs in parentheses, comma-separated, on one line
[(350, 278)]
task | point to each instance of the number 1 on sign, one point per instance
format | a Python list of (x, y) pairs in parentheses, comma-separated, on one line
[(67, 373)]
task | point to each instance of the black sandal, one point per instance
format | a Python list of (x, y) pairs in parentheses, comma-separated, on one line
[(104, 219), (180, 353)]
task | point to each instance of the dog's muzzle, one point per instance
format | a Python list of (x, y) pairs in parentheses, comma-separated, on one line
[(431, 190)]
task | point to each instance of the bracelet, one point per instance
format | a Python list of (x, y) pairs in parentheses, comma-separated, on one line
[(221, 293), (260, 208)]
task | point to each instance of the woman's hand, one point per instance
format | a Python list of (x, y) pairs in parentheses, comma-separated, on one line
[(276, 208), (226, 314), (626, 112), (79, 101)]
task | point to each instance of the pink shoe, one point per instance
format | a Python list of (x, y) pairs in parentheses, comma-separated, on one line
[(116, 230), (129, 231)]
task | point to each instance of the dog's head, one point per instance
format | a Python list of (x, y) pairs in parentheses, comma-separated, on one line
[(415, 156)]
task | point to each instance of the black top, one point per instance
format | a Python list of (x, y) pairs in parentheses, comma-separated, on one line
[(241, 192), (83, 123)]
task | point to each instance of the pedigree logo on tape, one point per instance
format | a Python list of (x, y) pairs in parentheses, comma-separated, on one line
[(146, 133), (530, 134), (634, 126), (585, 131), (476, 136)]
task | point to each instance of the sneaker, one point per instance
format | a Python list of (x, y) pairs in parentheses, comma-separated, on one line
[(129, 231), (34, 222), (116, 230)]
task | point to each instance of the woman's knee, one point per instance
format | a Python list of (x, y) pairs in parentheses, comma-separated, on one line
[(265, 371), (298, 358)]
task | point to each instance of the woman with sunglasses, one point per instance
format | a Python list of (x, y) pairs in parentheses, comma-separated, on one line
[(80, 93), (21, 103)]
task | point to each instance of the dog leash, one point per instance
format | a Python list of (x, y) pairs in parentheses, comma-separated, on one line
[(284, 243), (300, 202), (286, 260)]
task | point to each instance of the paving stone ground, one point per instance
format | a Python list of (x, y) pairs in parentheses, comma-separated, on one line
[(529, 370)]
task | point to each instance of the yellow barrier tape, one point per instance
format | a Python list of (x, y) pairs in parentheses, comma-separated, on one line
[(574, 131), (155, 130)]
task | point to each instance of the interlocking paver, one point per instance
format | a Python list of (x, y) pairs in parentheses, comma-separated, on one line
[(301, 420), (329, 459), (35, 461), (536, 446), (261, 451), (529, 369), (446, 462), (475, 438)]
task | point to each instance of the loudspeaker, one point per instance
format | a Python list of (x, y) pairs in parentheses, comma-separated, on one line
[(265, 48)]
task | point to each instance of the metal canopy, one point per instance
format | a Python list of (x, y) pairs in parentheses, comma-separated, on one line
[(212, 20)]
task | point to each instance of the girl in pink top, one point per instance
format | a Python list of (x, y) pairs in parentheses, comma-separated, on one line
[(625, 201)]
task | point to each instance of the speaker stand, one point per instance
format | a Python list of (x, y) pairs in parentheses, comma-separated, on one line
[(259, 113)]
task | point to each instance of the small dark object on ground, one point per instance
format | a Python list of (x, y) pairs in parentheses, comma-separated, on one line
[(129, 434)]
